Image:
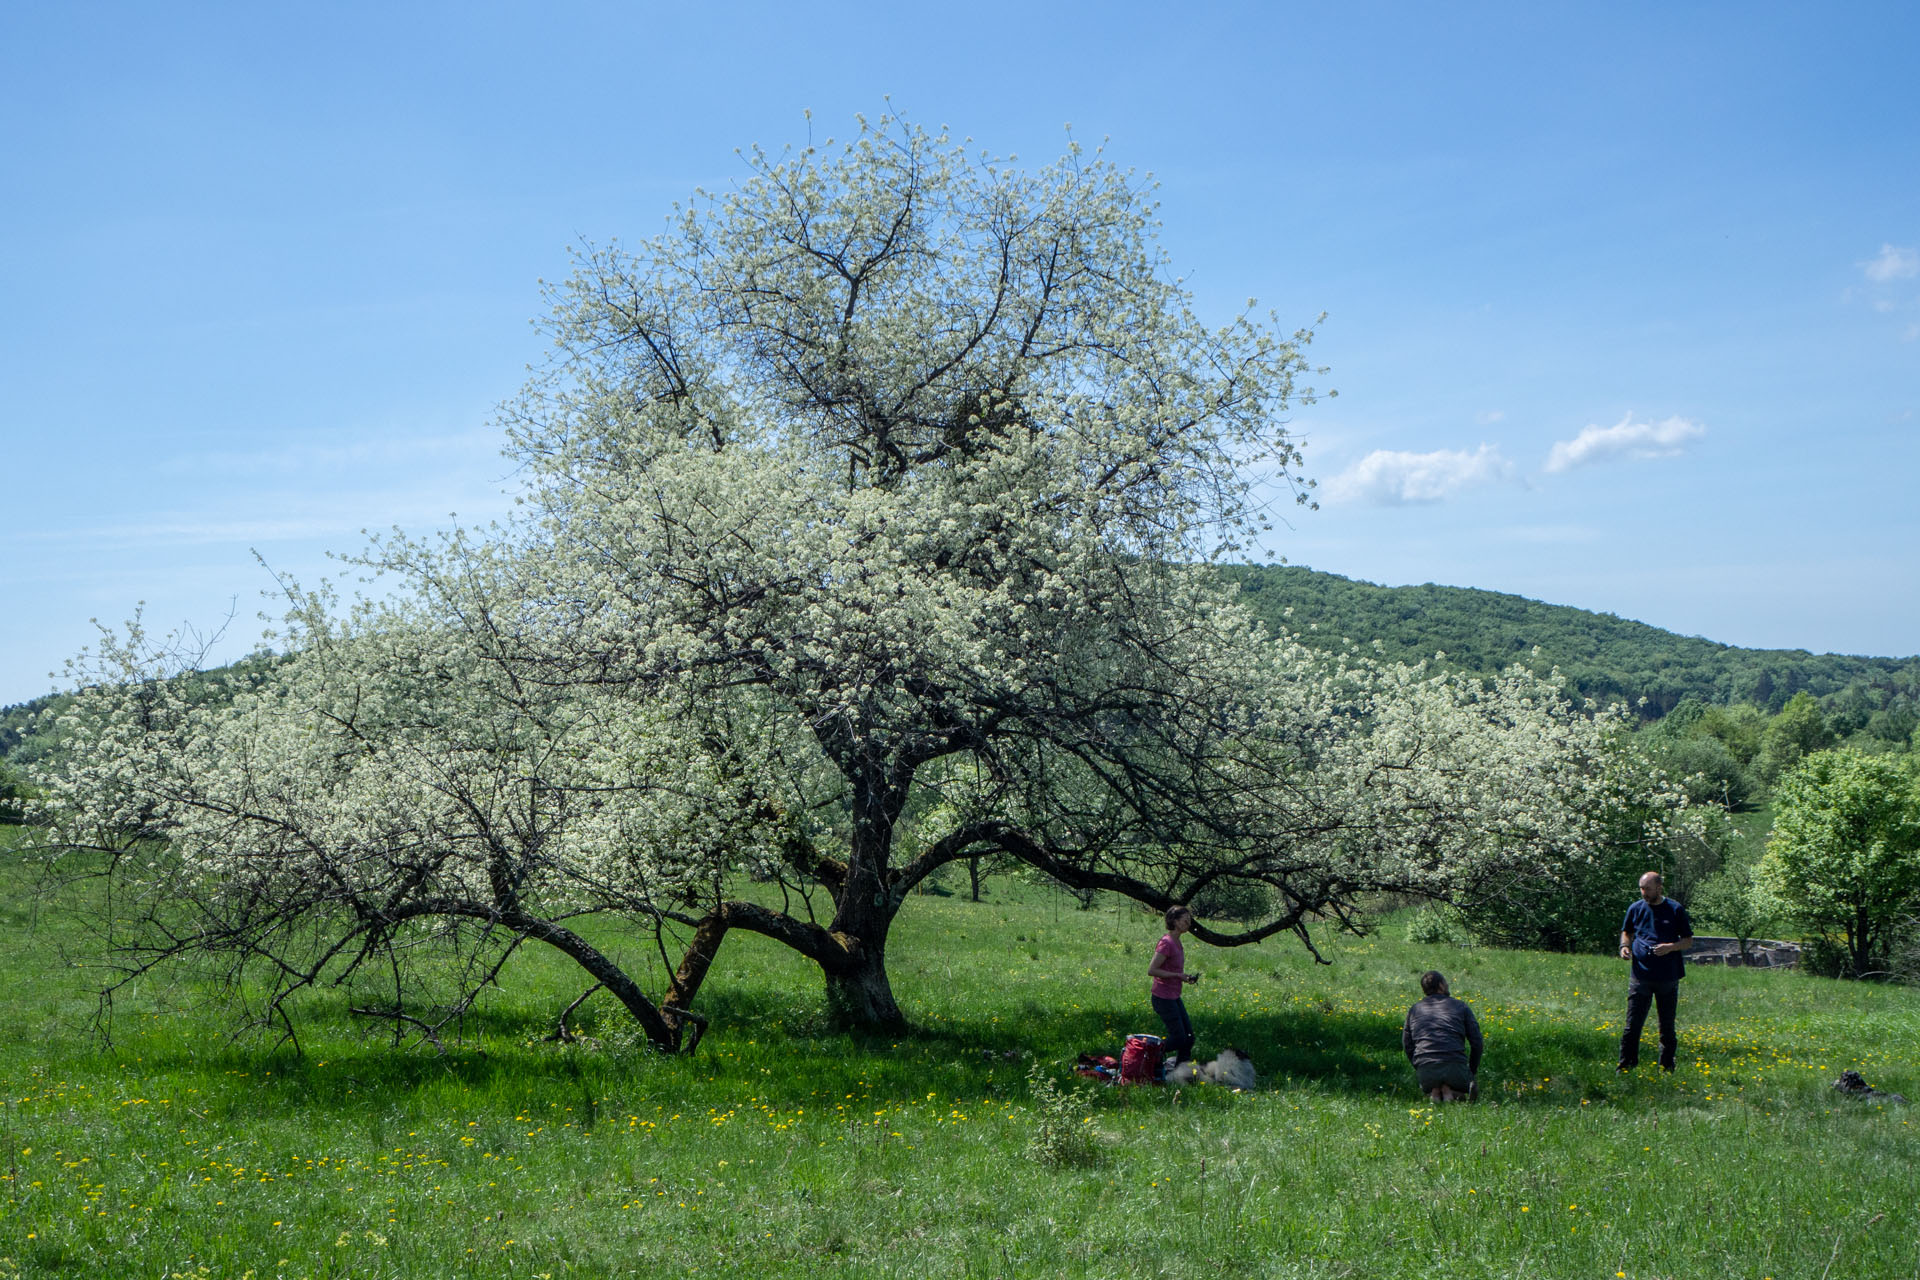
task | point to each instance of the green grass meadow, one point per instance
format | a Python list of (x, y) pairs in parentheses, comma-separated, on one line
[(781, 1148)]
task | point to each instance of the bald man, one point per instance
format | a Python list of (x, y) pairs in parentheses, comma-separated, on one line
[(1654, 936)]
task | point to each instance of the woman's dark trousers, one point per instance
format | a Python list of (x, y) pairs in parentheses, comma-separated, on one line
[(1173, 1012)]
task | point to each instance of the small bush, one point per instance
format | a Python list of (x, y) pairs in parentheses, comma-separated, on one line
[(1726, 900), (1574, 908), (1905, 961), (935, 882), (1236, 900), (1062, 1132), (1436, 924), (1824, 958), (14, 794), (1829, 958), (1706, 771)]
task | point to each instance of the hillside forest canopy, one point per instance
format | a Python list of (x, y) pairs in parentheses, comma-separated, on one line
[(871, 525)]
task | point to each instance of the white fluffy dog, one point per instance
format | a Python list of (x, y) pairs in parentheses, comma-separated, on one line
[(1231, 1068)]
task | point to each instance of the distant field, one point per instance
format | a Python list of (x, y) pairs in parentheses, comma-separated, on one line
[(781, 1149)]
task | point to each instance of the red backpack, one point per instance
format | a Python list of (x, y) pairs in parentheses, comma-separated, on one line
[(1140, 1060)]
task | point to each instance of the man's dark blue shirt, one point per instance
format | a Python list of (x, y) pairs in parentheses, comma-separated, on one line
[(1650, 924)]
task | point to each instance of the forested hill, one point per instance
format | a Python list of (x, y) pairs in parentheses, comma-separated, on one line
[(1603, 656)]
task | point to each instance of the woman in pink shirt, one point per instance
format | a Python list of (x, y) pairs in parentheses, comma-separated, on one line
[(1168, 969)]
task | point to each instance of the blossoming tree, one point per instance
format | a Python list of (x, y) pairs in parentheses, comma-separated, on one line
[(869, 509)]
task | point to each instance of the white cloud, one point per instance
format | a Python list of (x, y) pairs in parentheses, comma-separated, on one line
[(1490, 416), (1394, 477), (1892, 263), (1625, 438)]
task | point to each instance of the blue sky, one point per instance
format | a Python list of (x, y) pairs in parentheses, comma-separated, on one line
[(1623, 302)]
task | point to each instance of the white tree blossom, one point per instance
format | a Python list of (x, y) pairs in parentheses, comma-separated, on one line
[(391, 789), (869, 519)]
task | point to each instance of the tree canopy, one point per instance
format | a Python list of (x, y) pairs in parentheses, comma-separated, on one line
[(867, 519), (1844, 858)]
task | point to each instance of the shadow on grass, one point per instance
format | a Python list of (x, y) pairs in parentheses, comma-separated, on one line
[(776, 1047), (1338, 1052)]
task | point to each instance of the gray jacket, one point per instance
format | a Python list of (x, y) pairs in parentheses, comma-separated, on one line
[(1436, 1029)]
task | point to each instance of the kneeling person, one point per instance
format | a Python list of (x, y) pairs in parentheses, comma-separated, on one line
[(1438, 1037)]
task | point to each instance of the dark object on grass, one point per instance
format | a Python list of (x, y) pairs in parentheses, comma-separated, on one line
[(1098, 1066), (1854, 1085)]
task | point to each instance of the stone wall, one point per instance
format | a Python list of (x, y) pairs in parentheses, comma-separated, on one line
[(1761, 953)]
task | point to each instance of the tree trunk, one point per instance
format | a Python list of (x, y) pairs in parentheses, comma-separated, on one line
[(860, 995), (1862, 939), (676, 1006), (973, 874), (610, 975), (624, 989)]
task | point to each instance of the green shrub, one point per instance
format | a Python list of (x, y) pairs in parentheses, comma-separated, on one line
[(13, 795), (935, 881), (1726, 901), (1061, 1132), (1800, 730), (1436, 924), (1706, 770), (1237, 900), (1824, 958), (1905, 961), (1576, 907)]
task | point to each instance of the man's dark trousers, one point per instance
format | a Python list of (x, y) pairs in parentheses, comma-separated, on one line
[(1663, 995)]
